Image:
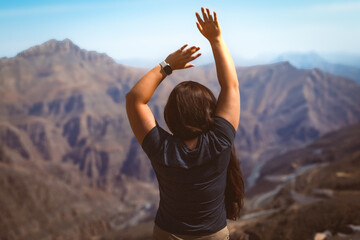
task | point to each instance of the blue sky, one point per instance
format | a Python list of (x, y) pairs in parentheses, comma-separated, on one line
[(145, 29)]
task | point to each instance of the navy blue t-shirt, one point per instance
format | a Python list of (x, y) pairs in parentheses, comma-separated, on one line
[(191, 181)]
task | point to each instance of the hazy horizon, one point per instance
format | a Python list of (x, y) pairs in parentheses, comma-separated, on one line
[(344, 58)]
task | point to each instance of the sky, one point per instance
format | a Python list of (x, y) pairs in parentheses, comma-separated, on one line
[(151, 29)]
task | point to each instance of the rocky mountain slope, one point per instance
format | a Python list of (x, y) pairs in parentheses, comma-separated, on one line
[(65, 135), (67, 105), (62, 119), (308, 191), (46, 202)]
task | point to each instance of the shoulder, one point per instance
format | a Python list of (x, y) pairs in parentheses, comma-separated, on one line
[(222, 128), (220, 137), (154, 140)]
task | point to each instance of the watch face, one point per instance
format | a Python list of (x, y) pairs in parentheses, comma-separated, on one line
[(167, 69)]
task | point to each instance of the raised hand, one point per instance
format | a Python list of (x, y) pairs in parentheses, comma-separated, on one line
[(208, 26), (180, 59)]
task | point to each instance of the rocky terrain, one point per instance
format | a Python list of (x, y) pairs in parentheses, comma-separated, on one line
[(71, 168), (308, 192), (46, 202)]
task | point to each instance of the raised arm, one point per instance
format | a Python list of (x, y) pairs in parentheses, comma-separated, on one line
[(228, 104), (139, 114)]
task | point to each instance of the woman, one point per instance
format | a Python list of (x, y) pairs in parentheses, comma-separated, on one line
[(199, 177)]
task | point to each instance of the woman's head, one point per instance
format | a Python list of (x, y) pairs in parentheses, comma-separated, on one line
[(190, 110)]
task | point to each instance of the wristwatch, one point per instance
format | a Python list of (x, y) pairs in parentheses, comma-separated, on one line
[(167, 68)]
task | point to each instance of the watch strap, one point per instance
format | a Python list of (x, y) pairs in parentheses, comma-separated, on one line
[(163, 64)]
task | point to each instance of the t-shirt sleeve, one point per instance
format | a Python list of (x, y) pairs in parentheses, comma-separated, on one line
[(224, 131), (153, 142)]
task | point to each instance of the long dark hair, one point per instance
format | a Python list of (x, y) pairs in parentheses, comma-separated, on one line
[(234, 191), (189, 112)]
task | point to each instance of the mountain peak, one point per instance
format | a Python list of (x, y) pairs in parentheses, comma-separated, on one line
[(64, 47), (66, 43), (285, 65), (49, 47)]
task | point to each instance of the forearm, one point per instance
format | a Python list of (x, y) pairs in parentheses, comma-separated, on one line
[(225, 67), (146, 86)]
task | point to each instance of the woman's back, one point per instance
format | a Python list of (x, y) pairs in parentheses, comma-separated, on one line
[(191, 181)]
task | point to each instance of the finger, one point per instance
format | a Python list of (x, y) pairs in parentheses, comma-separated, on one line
[(215, 17), (199, 27), (183, 47), (195, 50), (209, 14), (195, 56), (199, 19), (192, 50), (204, 15)]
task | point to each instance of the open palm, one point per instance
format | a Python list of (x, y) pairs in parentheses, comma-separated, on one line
[(208, 26)]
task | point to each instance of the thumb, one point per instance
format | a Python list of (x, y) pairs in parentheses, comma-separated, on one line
[(189, 65)]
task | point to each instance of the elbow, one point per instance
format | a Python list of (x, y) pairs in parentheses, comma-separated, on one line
[(233, 85), (130, 97)]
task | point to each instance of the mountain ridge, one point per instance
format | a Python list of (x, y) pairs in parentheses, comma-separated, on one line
[(313, 60), (55, 46), (67, 112)]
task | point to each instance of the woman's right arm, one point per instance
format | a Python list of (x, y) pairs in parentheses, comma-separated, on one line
[(228, 104)]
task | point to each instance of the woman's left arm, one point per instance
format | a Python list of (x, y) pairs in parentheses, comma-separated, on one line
[(139, 114)]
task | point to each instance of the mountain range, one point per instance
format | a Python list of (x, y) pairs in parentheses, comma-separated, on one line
[(64, 134), (313, 60)]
